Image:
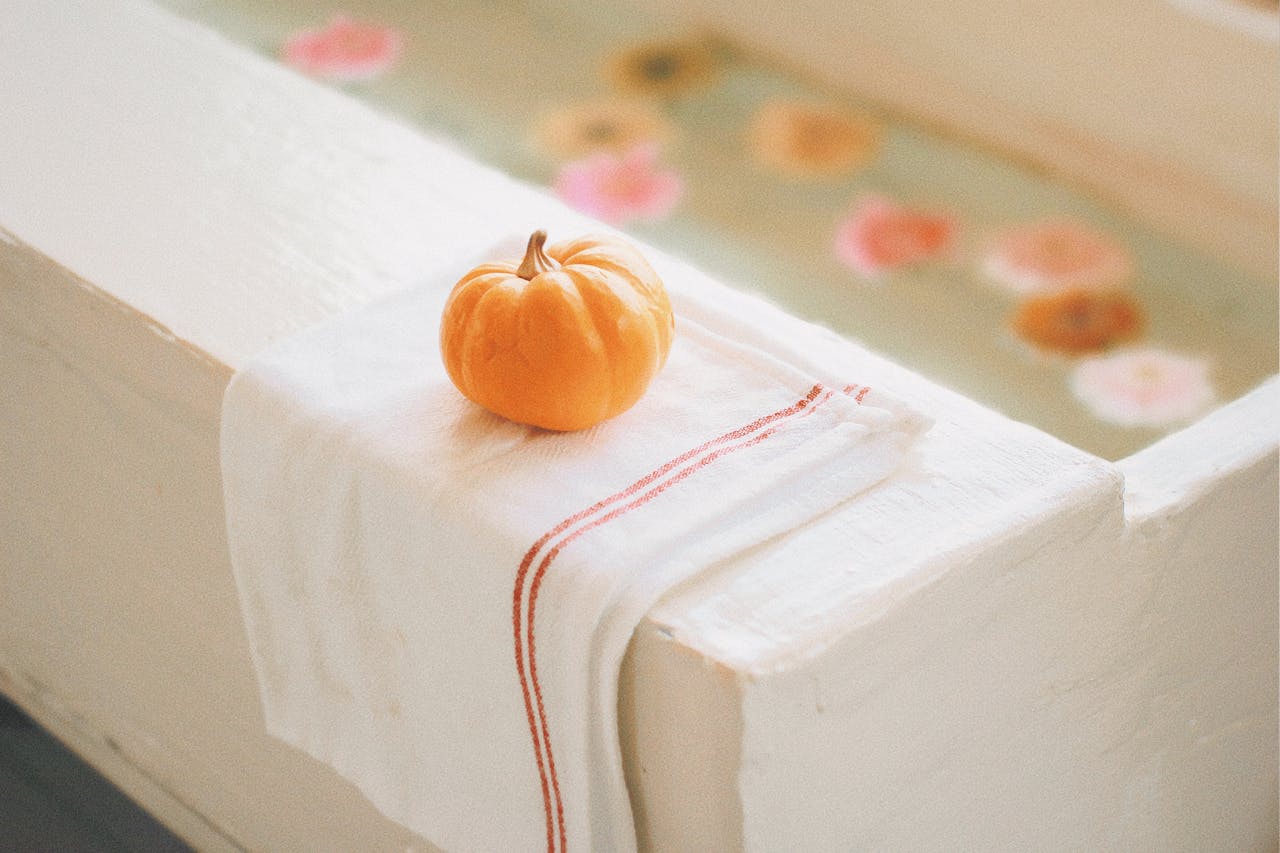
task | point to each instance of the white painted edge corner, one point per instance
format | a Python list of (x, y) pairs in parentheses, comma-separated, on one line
[(1235, 15), (1177, 470)]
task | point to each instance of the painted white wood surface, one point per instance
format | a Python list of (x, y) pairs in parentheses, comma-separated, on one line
[(1022, 644), (1168, 109)]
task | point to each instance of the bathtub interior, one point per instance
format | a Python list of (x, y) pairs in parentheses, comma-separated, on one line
[(486, 76)]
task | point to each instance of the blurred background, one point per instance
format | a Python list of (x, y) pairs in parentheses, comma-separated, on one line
[(1074, 224), (50, 800)]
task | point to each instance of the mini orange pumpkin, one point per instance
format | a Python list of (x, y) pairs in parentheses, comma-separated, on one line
[(569, 337)]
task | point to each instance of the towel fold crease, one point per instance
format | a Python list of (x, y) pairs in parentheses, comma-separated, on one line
[(438, 601)]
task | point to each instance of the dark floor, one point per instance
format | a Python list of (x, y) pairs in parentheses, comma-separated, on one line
[(51, 801)]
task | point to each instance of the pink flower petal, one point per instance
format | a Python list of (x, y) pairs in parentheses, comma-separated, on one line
[(619, 189), (343, 50), (881, 236), (1144, 387), (1056, 255)]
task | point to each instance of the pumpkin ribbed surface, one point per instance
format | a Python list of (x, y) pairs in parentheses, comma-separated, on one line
[(563, 339)]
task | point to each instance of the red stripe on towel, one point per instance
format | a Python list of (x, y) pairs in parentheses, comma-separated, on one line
[(525, 564), (535, 712)]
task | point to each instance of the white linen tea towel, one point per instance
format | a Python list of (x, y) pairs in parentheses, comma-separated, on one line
[(438, 600)]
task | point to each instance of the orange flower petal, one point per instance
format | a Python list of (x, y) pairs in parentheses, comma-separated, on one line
[(810, 140), (614, 125), (881, 236), (343, 50), (662, 69), (1078, 321), (1144, 387), (1056, 255), (619, 189)]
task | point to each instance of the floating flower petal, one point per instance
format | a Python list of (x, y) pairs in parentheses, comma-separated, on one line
[(615, 125), (812, 141), (662, 69), (881, 235), (619, 189), (343, 50), (1075, 322), (1144, 388), (1054, 255)]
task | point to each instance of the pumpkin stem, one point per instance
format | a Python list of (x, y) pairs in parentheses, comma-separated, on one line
[(535, 260)]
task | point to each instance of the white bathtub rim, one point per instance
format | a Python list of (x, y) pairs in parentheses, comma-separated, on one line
[(362, 261), (1166, 477)]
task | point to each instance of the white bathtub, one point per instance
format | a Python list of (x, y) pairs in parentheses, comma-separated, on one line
[(1035, 649)]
